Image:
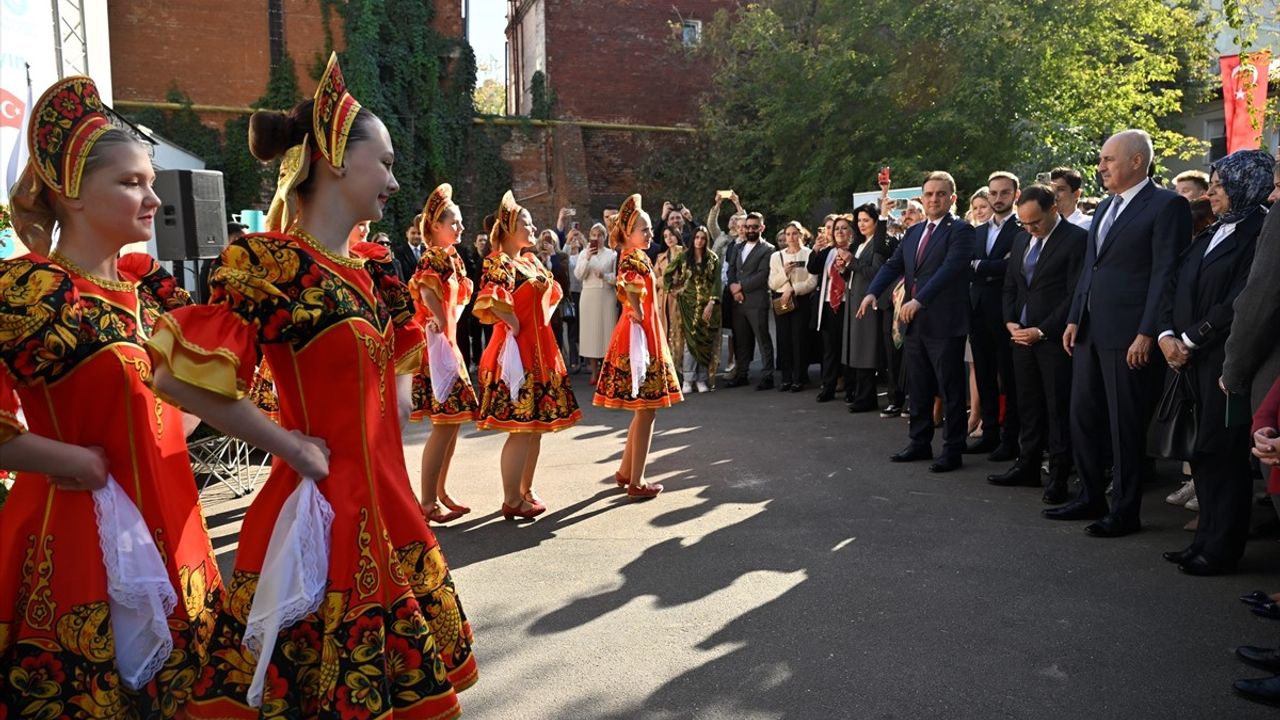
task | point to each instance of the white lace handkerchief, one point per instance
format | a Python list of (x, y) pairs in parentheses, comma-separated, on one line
[(139, 592), (512, 367), (294, 573), (443, 364), (639, 351)]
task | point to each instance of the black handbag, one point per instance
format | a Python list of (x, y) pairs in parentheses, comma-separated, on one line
[(1174, 428)]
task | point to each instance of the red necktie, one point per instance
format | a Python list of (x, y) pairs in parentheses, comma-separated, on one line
[(835, 293), (924, 244)]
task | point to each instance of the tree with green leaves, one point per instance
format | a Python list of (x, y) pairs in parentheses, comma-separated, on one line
[(811, 97)]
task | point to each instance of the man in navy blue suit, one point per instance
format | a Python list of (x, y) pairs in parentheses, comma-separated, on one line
[(1111, 332), (933, 257)]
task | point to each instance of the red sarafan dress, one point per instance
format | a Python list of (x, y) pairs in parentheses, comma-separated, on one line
[(545, 401), (71, 346), (441, 273), (660, 388), (390, 638)]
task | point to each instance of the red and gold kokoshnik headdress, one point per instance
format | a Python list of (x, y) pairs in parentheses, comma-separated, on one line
[(508, 217), (437, 201), (335, 112), (625, 221), (65, 123)]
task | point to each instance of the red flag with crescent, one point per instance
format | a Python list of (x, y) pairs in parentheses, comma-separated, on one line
[(13, 110), (1244, 97)]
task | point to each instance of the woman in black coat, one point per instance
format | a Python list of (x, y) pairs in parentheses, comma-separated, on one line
[(862, 351), (1195, 321)]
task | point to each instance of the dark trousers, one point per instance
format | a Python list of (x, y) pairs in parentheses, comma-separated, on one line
[(1043, 375), (1108, 402), (793, 343), (862, 391), (894, 374), (832, 332), (473, 335), (1224, 489), (935, 366), (751, 329), (993, 368)]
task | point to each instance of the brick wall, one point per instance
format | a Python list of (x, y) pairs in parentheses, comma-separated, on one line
[(218, 51)]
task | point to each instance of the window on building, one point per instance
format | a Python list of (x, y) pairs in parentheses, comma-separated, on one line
[(691, 33), (1215, 131)]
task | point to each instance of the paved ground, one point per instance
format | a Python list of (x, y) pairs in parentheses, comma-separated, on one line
[(791, 571)]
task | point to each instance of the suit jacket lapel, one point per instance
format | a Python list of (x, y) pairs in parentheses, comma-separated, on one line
[(1126, 214), (936, 240)]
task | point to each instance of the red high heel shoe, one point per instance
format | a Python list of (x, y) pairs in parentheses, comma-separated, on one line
[(511, 513), (622, 482), (449, 503), (644, 492), (436, 516)]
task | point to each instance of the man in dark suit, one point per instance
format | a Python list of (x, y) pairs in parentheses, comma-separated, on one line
[(1044, 266), (992, 351), (1252, 353), (1111, 332), (933, 258), (749, 283), (409, 252)]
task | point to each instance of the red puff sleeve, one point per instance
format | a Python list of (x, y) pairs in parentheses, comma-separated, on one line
[(394, 294), (632, 271), (215, 346), (497, 283)]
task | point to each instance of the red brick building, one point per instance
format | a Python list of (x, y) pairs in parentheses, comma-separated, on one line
[(604, 61), (220, 52)]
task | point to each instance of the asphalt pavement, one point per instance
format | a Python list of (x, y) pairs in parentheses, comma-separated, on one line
[(791, 571)]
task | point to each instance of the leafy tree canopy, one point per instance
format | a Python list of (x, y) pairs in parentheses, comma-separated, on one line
[(810, 97)]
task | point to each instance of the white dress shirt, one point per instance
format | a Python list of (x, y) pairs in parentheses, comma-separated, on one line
[(1079, 219)]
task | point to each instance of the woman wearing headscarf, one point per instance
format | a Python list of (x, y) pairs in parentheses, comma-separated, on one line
[(598, 309), (524, 385), (1195, 321), (638, 373), (341, 604), (85, 630), (698, 272)]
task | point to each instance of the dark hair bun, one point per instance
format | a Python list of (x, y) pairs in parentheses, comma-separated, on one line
[(272, 133), (489, 221)]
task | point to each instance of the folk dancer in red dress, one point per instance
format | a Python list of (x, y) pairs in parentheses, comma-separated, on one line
[(442, 390), (524, 384), (637, 373), (86, 631), (382, 633)]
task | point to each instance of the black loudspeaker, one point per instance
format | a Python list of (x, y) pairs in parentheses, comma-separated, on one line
[(191, 221)]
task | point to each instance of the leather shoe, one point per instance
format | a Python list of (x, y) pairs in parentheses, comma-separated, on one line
[(1270, 611), (984, 445), (1019, 474), (1201, 566), (826, 396), (1256, 598), (1004, 453), (946, 464), (1260, 657), (735, 382), (1260, 690), (1110, 527), (766, 383), (856, 408), (1177, 557), (911, 453), (1055, 493), (1075, 510)]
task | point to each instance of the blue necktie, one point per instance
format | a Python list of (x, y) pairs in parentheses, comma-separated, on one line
[(1029, 269)]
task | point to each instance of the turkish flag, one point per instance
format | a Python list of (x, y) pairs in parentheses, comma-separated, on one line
[(12, 109), (1244, 96)]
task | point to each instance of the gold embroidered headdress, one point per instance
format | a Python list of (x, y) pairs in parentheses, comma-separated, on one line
[(334, 114), (622, 225), (65, 123), (439, 199), (508, 219)]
